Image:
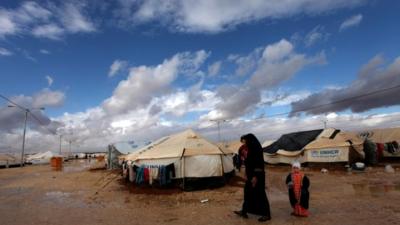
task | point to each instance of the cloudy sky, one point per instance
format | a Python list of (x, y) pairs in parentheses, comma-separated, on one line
[(138, 70)]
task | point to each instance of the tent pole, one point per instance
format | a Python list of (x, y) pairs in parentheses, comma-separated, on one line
[(183, 172), (183, 168), (222, 166)]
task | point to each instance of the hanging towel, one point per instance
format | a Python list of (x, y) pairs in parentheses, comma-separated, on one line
[(146, 175)]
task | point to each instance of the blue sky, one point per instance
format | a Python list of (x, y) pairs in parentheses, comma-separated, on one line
[(177, 65)]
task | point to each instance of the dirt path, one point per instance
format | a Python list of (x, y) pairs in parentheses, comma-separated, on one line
[(38, 195)]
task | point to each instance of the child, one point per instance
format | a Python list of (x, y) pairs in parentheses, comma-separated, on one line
[(298, 185)]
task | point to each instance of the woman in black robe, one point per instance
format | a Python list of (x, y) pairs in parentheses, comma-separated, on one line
[(255, 198)]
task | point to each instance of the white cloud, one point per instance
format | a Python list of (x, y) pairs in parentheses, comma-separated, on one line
[(45, 52), (246, 64), (192, 100), (146, 82), (116, 67), (374, 76), (5, 52), (315, 35), (48, 98), (50, 31), (31, 10), (147, 105), (45, 20), (12, 118), (49, 80), (214, 68), (7, 25), (277, 51), (282, 98), (74, 20), (351, 22), (277, 63), (216, 16)]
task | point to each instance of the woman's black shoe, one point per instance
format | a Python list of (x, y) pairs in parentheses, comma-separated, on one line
[(264, 218), (241, 214)]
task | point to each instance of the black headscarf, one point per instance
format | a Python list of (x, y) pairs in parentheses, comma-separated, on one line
[(255, 160), (252, 142)]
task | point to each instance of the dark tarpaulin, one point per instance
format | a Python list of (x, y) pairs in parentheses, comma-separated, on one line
[(293, 141)]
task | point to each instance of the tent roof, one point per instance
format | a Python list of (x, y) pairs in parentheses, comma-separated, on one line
[(334, 138), (186, 143), (382, 135), (7, 157), (126, 147), (292, 141), (134, 155), (267, 143), (41, 155), (230, 147)]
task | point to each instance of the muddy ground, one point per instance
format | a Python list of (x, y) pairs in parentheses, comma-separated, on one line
[(77, 195)]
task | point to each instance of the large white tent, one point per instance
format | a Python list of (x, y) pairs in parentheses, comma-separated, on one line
[(385, 135), (334, 146), (192, 155), (328, 145), (7, 160), (40, 158)]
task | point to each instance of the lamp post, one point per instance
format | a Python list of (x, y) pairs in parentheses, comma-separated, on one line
[(60, 143), (218, 125), (23, 136)]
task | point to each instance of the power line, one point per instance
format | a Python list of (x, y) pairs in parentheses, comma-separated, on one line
[(9, 100), (30, 113)]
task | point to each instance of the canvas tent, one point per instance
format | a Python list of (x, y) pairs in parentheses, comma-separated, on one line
[(328, 145), (192, 155), (231, 147), (7, 160), (40, 158), (194, 158), (334, 146), (386, 135), (128, 147), (289, 147)]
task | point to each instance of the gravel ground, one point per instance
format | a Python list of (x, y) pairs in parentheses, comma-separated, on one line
[(77, 195)]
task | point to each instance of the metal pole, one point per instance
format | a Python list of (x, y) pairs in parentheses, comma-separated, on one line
[(23, 139), (60, 143), (219, 132), (69, 148)]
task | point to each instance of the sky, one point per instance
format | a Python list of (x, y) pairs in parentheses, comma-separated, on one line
[(129, 70)]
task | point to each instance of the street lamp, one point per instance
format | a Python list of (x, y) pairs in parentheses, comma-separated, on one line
[(218, 121), (23, 137)]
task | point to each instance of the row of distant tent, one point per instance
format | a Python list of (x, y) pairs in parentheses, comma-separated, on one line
[(7, 160), (324, 145), (37, 158), (195, 157)]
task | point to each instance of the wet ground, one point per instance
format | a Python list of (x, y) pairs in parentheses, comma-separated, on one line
[(78, 195)]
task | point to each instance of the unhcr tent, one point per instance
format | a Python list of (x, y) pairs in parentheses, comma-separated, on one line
[(384, 137), (289, 147), (322, 146), (192, 156), (40, 158), (332, 145)]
